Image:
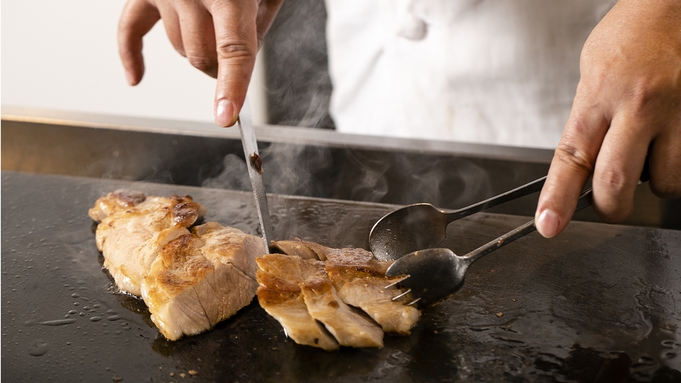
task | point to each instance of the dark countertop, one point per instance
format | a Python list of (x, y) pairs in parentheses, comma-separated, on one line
[(599, 303)]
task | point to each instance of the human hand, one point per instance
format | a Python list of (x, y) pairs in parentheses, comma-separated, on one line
[(627, 105), (218, 37)]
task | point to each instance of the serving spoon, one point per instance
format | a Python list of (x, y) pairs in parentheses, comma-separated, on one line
[(423, 226), (432, 275)]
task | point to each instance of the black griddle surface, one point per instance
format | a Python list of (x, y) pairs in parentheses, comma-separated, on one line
[(599, 303)]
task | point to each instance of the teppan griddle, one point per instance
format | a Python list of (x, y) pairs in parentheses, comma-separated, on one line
[(599, 303)]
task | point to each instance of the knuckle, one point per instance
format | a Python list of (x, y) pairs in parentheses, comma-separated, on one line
[(235, 50), (202, 63), (642, 93), (574, 157), (578, 126), (646, 97), (615, 200), (613, 181)]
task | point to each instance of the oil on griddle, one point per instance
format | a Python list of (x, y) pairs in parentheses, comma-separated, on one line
[(598, 302)]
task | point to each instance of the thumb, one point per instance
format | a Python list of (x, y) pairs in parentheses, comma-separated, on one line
[(573, 162)]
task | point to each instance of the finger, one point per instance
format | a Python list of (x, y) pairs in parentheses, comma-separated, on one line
[(198, 37), (665, 162), (137, 18), (572, 164), (266, 13), (618, 168), (237, 45), (173, 28)]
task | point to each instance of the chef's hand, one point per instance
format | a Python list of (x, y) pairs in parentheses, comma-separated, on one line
[(218, 37), (628, 104)]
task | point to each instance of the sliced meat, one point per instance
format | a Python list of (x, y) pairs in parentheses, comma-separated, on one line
[(303, 249), (289, 309), (284, 280), (359, 280), (189, 280), (201, 278), (120, 199), (134, 228), (295, 247), (367, 291), (348, 327), (279, 294)]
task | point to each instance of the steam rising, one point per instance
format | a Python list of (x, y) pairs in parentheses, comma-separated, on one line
[(287, 169), (362, 175)]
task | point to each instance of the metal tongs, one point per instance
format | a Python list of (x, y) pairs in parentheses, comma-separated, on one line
[(433, 274), (254, 164)]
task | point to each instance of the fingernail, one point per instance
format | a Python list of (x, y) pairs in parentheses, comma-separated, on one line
[(224, 113), (547, 223)]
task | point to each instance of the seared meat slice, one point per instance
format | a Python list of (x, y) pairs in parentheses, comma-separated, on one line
[(295, 247), (359, 280), (279, 294), (288, 308), (189, 280), (133, 229), (121, 199), (303, 249), (285, 279), (202, 278), (347, 326), (366, 289)]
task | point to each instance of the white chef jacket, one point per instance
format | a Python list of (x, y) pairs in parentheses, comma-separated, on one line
[(486, 71)]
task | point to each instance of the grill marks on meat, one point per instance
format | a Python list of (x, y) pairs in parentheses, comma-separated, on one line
[(360, 280), (133, 229), (190, 280), (280, 295), (194, 277), (367, 291), (294, 248), (281, 276), (200, 279), (348, 327), (348, 277)]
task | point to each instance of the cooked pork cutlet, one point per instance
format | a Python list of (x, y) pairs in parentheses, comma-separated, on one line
[(287, 306), (359, 280), (279, 294), (296, 247), (189, 280), (348, 327), (134, 228), (367, 290), (201, 278), (287, 281)]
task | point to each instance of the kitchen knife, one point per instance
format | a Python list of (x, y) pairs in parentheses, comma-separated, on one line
[(254, 164)]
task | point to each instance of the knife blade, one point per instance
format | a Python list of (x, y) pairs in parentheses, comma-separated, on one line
[(255, 170)]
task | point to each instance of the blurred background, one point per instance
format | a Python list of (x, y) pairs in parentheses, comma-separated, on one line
[(63, 55)]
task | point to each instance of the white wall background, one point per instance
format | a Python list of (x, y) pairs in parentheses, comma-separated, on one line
[(63, 55)]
